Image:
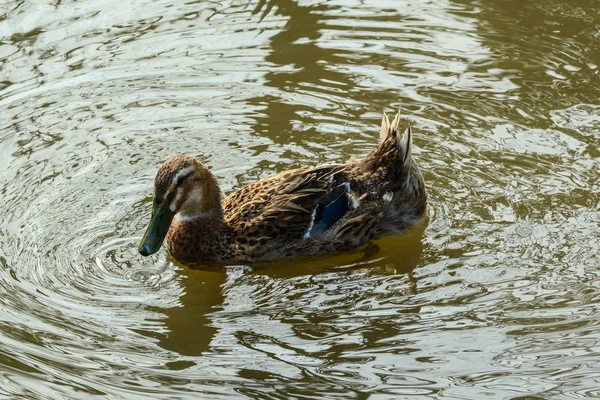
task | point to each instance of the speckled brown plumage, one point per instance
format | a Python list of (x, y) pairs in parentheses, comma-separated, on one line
[(270, 219)]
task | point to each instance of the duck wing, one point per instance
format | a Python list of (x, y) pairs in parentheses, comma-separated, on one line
[(290, 206)]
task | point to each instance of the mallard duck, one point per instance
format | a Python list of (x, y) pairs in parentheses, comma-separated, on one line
[(301, 212)]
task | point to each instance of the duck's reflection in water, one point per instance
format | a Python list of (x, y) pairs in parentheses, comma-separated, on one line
[(189, 325), (211, 298)]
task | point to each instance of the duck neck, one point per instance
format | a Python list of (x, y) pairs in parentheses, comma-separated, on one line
[(196, 239), (198, 230)]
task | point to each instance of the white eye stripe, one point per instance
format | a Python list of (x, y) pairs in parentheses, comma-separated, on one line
[(181, 174)]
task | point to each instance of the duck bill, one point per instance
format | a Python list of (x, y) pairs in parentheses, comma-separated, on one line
[(157, 229)]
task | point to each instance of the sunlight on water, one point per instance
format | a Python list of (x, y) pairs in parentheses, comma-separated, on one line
[(495, 296)]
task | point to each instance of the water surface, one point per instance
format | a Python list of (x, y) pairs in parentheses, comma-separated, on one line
[(495, 297)]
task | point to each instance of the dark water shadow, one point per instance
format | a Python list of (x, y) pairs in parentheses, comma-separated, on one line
[(189, 325), (293, 47)]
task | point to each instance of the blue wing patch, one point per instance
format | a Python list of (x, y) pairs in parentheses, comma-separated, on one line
[(333, 207)]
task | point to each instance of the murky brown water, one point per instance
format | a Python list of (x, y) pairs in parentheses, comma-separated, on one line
[(496, 298)]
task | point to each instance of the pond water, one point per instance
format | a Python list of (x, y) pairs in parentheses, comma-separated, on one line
[(496, 296)]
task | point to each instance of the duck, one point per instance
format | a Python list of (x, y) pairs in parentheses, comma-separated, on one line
[(308, 211)]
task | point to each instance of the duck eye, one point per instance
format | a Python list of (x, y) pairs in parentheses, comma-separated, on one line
[(180, 182)]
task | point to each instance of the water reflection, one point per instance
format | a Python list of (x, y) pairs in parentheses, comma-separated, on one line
[(306, 103), (189, 329)]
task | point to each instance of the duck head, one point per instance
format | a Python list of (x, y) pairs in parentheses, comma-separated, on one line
[(184, 190)]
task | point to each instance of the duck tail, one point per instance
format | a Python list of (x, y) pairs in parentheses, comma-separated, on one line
[(390, 141), (393, 156)]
